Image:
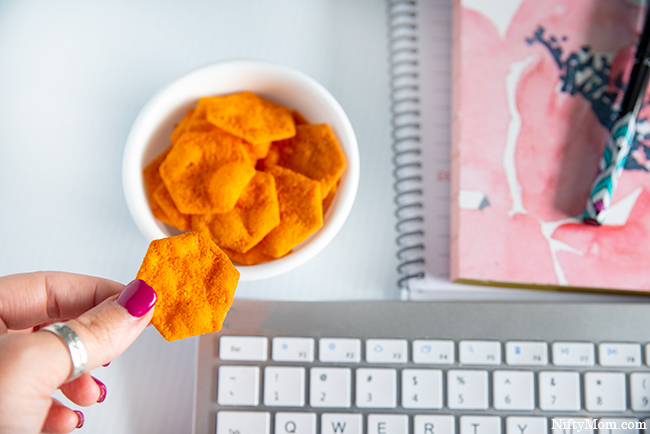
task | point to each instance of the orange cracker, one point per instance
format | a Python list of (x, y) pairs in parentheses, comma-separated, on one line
[(251, 117), (272, 156), (252, 257), (175, 217), (195, 283), (298, 118), (301, 211), (191, 164), (201, 109), (180, 128), (197, 122), (315, 153), (200, 126), (151, 181), (256, 213), (259, 150), (228, 183), (158, 213), (329, 198), (203, 126)]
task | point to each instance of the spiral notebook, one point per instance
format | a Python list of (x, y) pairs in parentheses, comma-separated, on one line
[(420, 49), (421, 79)]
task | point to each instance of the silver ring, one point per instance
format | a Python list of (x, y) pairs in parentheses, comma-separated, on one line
[(78, 353)]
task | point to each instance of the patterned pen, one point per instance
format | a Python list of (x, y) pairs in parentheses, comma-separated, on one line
[(622, 134)]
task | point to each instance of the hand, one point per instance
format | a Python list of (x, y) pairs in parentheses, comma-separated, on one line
[(33, 364)]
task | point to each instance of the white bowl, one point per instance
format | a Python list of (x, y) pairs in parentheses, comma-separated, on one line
[(150, 132)]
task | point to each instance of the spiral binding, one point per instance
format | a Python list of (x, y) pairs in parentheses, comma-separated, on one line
[(405, 114)]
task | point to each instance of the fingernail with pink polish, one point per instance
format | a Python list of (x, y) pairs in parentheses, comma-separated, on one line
[(137, 298), (80, 416), (102, 390), (106, 365)]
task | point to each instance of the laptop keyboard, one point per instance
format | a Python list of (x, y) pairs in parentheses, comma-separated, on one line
[(399, 368)]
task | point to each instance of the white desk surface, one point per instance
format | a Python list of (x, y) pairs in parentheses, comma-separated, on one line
[(74, 75)]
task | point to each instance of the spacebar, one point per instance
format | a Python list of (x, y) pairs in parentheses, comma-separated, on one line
[(243, 422)]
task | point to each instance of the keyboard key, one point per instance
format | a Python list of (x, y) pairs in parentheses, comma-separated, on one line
[(605, 391), (292, 349), (526, 425), (284, 386), (376, 388), (243, 348), (640, 391), (479, 352), (238, 385), (388, 423), (559, 391), (573, 425), (573, 354), (339, 350), (295, 423), (480, 425), (619, 355), (608, 425), (514, 390), (341, 423), (422, 388), (519, 353), (433, 352), (386, 351), (427, 424), (647, 354), (330, 387), (467, 390), (243, 422)]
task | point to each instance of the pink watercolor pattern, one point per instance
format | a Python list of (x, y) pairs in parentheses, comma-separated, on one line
[(557, 153)]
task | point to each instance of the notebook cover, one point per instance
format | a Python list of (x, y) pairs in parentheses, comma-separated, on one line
[(536, 87)]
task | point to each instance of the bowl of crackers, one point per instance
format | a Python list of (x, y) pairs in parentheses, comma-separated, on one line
[(257, 156)]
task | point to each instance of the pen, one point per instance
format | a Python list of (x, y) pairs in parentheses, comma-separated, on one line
[(621, 134)]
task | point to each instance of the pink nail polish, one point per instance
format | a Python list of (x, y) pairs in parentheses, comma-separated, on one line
[(80, 416), (137, 298), (102, 390), (106, 365)]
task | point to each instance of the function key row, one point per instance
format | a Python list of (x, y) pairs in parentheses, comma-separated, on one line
[(431, 351)]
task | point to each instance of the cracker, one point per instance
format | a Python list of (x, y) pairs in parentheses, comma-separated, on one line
[(195, 282), (181, 127), (228, 183), (256, 213), (301, 211), (258, 151), (272, 156), (315, 153), (191, 165), (298, 118), (252, 257), (250, 117), (255, 152), (329, 198), (174, 216), (152, 180), (200, 126)]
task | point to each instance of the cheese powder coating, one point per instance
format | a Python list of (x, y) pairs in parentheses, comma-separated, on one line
[(195, 282)]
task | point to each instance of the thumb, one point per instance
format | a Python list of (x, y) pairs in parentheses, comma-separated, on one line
[(109, 328), (106, 330)]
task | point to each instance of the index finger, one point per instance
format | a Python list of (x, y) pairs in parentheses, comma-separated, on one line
[(31, 299)]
